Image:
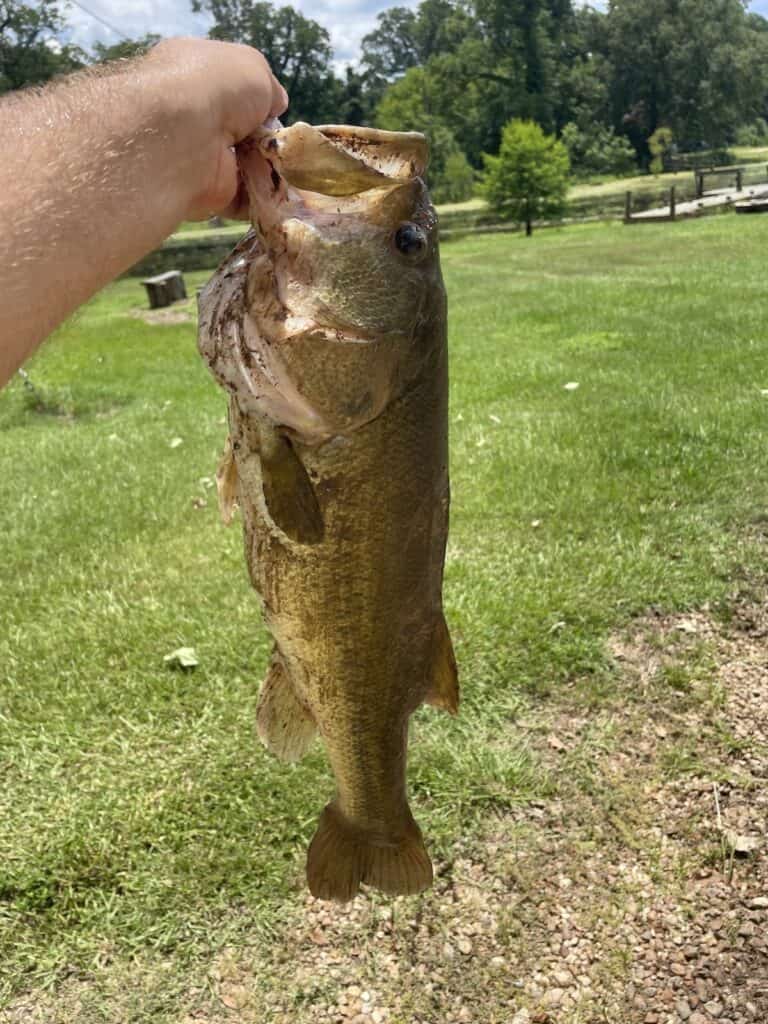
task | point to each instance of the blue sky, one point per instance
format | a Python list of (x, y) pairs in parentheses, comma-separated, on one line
[(346, 20)]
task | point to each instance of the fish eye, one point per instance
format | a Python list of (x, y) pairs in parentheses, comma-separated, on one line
[(410, 240)]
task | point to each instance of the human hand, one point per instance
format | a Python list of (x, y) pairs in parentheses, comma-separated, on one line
[(217, 94)]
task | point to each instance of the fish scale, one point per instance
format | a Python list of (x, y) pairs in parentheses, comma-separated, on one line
[(338, 458)]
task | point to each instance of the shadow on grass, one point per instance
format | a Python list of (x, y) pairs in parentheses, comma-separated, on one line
[(27, 402)]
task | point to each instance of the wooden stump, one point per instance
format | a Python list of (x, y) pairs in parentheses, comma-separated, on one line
[(165, 288)]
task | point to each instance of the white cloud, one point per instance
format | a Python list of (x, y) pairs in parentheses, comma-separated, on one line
[(346, 20)]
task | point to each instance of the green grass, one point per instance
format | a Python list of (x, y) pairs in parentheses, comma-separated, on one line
[(142, 823)]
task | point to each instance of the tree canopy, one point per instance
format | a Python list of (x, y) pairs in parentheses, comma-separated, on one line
[(603, 80), (612, 76), (298, 50), (30, 52)]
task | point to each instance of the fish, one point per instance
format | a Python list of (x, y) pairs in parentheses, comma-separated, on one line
[(326, 326)]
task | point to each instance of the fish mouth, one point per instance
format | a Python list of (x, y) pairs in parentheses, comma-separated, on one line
[(341, 160), (303, 181), (280, 330)]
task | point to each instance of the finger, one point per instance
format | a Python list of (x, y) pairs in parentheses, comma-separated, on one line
[(253, 92), (279, 99), (239, 208)]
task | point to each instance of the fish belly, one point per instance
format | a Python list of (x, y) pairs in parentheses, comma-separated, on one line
[(360, 639)]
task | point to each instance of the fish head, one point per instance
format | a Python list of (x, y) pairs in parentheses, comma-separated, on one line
[(346, 289)]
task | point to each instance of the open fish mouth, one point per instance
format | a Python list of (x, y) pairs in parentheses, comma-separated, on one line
[(313, 317), (340, 160)]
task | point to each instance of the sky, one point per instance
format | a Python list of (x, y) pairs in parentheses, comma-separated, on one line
[(346, 20)]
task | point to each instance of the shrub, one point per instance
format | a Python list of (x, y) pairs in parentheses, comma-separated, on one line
[(528, 180), (600, 151)]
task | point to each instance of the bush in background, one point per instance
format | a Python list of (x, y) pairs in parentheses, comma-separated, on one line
[(598, 151), (528, 180)]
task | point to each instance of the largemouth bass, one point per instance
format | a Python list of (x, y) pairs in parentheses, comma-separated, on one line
[(327, 326)]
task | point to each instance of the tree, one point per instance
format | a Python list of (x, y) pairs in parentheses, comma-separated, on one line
[(405, 38), (696, 66), (30, 52), (528, 180), (354, 102), (597, 150), (125, 48), (414, 104), (297, 48), (487, 61)]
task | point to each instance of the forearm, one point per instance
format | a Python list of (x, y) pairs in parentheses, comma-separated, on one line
[(85, 190), (100, 168)]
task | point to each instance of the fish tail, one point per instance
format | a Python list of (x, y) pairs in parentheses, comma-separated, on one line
[(342, 857)]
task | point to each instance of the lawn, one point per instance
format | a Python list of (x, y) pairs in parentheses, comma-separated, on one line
[(144, 829)]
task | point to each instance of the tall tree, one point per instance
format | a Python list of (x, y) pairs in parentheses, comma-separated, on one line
[(697, 66), (487, 61), (30, 52), (405, 38), (297, 48)]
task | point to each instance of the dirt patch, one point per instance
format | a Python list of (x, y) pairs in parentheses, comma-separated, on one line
[(638, 893), (181, 312)]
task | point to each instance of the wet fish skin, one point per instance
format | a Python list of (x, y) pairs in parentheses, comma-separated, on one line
[(344, 502)]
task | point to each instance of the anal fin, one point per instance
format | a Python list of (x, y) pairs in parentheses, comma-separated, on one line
[(285, 725), (444, 685)]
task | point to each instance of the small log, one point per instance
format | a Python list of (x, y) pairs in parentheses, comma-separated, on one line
[(163, 289)]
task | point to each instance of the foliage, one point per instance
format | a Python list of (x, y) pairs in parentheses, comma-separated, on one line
[(599, 151), (298, 50), (599, 75), (456, 182), (697, 66), (413, 103), (125, 48), (486, 61), (30, 52), (528, 180), (753, 134), (353, 101), (660, 144)]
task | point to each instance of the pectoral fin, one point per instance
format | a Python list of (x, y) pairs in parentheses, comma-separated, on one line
[(226, 483), (288, 491), (285, 726), (444, 685)]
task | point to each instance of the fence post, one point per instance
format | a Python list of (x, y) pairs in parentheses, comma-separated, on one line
[(738, 180), (627, 207), (672, 203)]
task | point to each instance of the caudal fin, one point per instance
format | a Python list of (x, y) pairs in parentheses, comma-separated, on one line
[(343, 857)]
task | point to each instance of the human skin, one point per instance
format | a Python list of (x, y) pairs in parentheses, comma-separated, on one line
[(101, 166)]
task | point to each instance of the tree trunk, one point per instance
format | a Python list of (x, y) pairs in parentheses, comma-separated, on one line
[(528, 228)]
